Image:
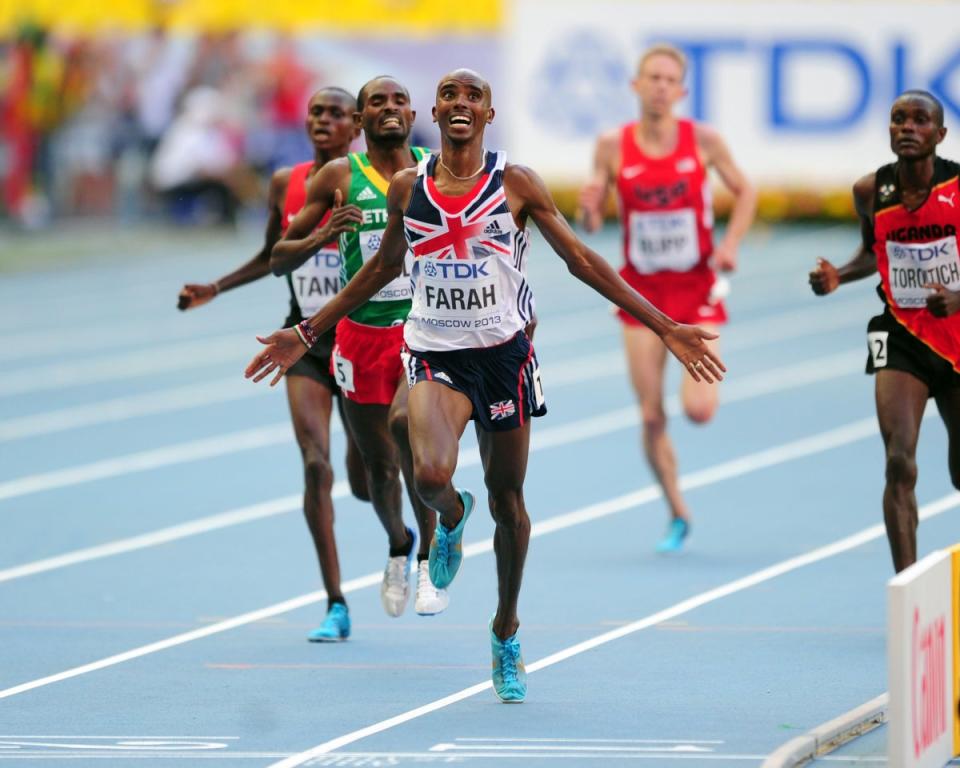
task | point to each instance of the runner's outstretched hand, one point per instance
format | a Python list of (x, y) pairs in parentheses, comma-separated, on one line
[(283, 349), (192, 295), (686, 343), (825, 278)]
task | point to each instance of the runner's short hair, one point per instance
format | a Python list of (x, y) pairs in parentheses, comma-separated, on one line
[(664, 49), (937, 104)]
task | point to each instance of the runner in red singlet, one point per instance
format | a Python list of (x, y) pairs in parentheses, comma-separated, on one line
[(909, 216), (659, 167), (310, 387)]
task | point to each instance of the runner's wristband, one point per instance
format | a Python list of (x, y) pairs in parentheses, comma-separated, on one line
[(306, 333)]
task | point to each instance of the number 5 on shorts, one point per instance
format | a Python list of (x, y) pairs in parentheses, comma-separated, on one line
[(877, 342), (342, 371)]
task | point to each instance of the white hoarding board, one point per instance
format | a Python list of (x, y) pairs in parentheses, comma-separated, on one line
[(800, 90), (920, 664)]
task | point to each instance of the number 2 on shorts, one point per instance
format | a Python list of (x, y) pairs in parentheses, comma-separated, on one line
[(877, 342)]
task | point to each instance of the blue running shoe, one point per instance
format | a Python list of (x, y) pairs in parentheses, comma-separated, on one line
[(335, 627), (509, 674), (679, 530), (446, 548)]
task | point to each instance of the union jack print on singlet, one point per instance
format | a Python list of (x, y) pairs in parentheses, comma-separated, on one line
[(468, 276)]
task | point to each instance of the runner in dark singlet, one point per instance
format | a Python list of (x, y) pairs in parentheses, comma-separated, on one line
[(909, 216)]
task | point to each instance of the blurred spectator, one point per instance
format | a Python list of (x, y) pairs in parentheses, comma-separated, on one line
[(31, 109), (198, 165)]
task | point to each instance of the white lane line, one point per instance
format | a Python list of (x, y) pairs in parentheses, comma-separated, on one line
[(233, 517), (678, 609), (208, 448), (561, 374), (235, 347), (739, 335), (134, 406), (574, 749), (743, 465), (110, 336), (549, 740), (755, 385), (173, 357)]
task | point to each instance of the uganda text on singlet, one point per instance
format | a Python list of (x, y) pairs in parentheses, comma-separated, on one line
[(916, 248)]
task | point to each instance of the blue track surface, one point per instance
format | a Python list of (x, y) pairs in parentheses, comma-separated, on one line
[(121, 418)]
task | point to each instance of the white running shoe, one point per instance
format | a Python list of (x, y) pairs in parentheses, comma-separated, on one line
[(395, 587), (430, 600)]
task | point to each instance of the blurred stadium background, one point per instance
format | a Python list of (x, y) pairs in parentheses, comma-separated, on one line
[(800, 89)]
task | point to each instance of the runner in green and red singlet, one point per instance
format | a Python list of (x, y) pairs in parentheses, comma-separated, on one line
[(366, 359)]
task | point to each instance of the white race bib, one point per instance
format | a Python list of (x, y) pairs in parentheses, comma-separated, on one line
[(342, 370), (397, 289), (316, 281), (663, 240), (913, 265), (459, 293)]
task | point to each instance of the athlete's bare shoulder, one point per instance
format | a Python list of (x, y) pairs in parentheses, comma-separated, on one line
[(864, 190), (710, 142), (401, 187), (521, 177), (279, 182)]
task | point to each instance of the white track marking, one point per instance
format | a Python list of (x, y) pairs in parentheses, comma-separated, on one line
[(208, 448), (174, 357), (109, 336), (737, 467), (212, 350), (134, 406), (479, 741), (564, 373), (678, 609), (755, 385), (165, 535)]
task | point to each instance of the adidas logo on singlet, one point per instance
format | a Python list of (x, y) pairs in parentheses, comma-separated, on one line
[(492, 229), (367, 194)]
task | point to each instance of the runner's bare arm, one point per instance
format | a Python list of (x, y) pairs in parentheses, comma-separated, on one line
[(302, 238), (283, 348), (717, 155), (594, 194), (193, 295), (826, 278), (528, 196)]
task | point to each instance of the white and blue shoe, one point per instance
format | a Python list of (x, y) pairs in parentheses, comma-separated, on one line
[(446, 548)]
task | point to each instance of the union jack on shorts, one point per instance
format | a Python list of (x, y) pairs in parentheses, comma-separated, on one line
[(502, 410)]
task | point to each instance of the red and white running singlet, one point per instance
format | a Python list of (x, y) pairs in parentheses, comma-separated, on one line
[(317, 280), (665, 205), (915, 248)]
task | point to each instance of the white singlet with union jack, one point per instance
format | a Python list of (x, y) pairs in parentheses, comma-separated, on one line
[(468, 276)]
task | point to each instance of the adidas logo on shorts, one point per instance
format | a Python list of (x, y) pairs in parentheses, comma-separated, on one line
[(492, 229), (367, 194)]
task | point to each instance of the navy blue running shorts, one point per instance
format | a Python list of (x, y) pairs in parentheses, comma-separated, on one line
[(502, 382)]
